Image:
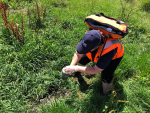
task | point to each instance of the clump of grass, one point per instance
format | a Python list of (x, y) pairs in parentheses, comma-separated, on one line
[(37, 17), (59, 3), (67, 25), (127, 11), (146, 6), (16, 4)]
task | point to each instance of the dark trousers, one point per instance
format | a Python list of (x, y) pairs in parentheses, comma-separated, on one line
[(107, 73)]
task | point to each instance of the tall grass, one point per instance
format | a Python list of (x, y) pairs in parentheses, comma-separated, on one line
[(32, 72)]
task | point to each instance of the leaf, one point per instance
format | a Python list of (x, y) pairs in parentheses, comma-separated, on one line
[(47, 82), (111, 111), (122, 101)]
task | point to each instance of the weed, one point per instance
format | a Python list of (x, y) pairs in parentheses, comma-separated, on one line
[(146, 6), (127, 12), (37, 17), (59, 3), (16, 4), (10, 25), (67, 25)]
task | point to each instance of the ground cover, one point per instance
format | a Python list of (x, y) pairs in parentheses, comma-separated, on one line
[(30, 72)]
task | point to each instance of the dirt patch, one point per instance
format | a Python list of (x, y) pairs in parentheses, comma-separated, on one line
[(48, 100)]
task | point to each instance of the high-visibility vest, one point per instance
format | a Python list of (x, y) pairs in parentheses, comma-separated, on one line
[(109, 45)]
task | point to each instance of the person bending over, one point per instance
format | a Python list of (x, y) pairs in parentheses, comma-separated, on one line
[(89, 49)]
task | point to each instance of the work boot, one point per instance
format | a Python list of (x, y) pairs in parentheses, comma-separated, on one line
[(106, 88)]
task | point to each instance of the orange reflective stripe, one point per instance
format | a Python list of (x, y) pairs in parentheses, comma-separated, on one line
[(97, 56), (89, 55), (119, 53), (95, 59), (110, 45)]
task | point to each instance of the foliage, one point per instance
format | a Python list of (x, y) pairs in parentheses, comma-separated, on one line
[(37, 17), (16, 4), (146, 6), (31, 72), (127, 10), (10, 25)]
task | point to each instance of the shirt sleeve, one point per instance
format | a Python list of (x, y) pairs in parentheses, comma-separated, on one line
[(104, 60)]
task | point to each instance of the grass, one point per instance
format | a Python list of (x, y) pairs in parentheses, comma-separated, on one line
[(31, 72)]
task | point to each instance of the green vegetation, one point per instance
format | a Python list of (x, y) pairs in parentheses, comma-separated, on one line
[(30, 72)]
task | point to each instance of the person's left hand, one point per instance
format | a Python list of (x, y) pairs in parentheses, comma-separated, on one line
[(70, 69)]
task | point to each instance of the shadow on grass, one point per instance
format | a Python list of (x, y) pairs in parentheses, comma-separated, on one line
[(95, 101), (82, 83)]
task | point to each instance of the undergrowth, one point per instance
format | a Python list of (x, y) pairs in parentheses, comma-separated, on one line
[(31, 71)]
